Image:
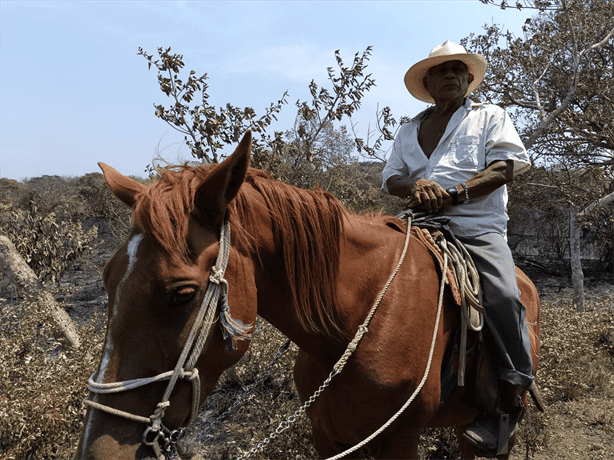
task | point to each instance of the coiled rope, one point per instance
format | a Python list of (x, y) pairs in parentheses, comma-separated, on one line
[(468, 281)]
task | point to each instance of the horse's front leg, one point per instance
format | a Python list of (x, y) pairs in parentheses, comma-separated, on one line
[(399, 445)]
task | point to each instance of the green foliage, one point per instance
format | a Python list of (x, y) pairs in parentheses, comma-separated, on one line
[(48, 245)]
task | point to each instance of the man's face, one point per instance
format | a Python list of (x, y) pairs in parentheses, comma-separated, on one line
[(448, 81)]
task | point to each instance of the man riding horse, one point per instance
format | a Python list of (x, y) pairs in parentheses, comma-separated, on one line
[(455, 158)]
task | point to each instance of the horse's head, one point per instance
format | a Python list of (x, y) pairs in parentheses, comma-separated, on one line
[(160, 283)]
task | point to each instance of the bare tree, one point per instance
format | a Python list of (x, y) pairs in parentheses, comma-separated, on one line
[(557, 82), (23, 277)]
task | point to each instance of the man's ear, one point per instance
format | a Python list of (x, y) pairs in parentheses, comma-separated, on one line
[(425, 83), (470, 78)]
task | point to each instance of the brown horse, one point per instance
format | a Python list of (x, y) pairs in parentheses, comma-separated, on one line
[(298, 259)]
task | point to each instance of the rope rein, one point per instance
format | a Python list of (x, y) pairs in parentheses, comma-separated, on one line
[(338, 367), (418, 389), (216, 291), (185, 367)]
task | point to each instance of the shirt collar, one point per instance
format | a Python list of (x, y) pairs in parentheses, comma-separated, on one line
[(468, 104)]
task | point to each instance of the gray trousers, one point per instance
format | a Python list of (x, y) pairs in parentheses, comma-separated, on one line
[(505, 314)]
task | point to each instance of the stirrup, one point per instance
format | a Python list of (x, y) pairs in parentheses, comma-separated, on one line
[(506, 429)]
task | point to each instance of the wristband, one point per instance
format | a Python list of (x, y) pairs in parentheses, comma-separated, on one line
[(453, 192), (462, 184)]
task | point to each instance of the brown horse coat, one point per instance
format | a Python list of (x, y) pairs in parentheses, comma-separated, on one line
[(306, 265)]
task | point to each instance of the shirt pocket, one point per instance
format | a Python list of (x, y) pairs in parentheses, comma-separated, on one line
[(465, 152)]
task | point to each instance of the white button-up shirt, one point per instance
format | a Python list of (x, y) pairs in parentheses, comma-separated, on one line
[(476, 136)]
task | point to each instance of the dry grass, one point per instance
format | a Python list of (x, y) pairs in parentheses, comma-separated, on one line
[(41, 389), (41, 386)]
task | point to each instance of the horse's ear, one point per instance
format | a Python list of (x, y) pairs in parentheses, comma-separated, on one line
[(123, 187), (223, 184)]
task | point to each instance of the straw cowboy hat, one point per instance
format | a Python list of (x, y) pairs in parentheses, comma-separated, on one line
[(447, 51)]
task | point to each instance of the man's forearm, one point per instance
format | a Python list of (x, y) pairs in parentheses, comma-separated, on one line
[(484, 183), (432, 196)]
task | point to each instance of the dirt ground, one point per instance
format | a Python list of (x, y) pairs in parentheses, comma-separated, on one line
[(576, 378), (579, 419), (578, 430)]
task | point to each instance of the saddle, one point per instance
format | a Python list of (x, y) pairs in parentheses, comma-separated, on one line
[(469, 348), (460, 276), (477, 352), (462, 297)]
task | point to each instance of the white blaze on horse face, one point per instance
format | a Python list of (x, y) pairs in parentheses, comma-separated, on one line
[(133, 247)]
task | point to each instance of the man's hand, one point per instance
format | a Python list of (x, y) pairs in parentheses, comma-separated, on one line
[(429, 194)]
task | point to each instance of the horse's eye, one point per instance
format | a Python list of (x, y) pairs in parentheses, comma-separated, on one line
[(183, 295)]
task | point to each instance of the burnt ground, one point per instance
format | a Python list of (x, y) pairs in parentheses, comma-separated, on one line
[(576, 377)]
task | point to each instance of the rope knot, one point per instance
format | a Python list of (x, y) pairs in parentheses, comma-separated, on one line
[(187, 375), (160, 409), (192, 375), (217, 275)]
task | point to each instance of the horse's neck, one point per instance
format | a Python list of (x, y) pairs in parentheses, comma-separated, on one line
[(368, 251), (369, 254)]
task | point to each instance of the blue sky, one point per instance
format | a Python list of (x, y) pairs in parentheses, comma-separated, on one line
[(74, 91)]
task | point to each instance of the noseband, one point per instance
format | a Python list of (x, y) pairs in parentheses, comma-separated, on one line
[(215, 294)]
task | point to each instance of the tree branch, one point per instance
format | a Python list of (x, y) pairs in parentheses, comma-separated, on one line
[(600, 202)]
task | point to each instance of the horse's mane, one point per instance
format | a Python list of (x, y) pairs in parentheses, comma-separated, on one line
[(307, 226)]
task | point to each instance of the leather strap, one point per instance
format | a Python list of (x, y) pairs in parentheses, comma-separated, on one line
[(453, 192)]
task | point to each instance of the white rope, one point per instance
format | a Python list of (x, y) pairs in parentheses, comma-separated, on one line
[(119, 413), (117, 387), (338, 367), (422, 382), (182, 370), (469, 286)]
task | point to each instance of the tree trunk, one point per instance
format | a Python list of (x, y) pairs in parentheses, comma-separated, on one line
[(27, 283), (575, 247)]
